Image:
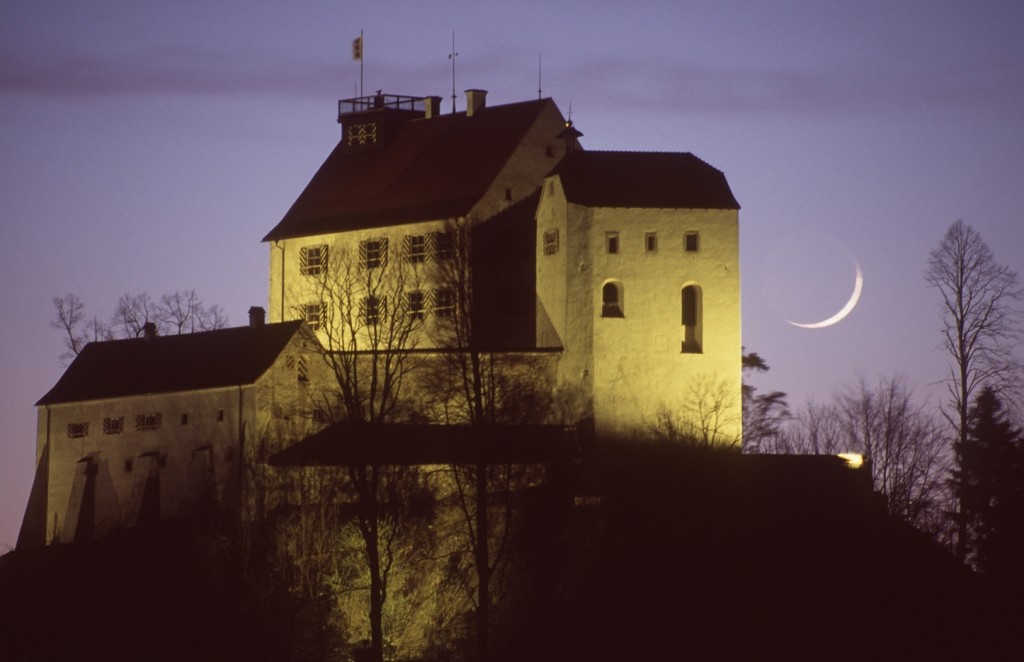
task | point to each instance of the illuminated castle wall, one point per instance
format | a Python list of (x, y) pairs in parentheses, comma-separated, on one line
[(634, 256), (614, 275), (638, 282)]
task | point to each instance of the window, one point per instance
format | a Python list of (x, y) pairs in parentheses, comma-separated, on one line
[(373, 308), (444, 303), (148, 422), (691, 242), (508, 194), (692, 326), (78, 430), (415, 248), (651, 242), (444, 245), (417, 305), (220, 415), (128, 465), (312, 259), (320, 416), (301, 372), (551, 242), (611, 300), (373, 253), (313, 314), (184, 419), (113, 425), (611, 242)]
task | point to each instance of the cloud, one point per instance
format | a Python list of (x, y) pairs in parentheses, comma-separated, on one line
[(159, 72), (649, 86), (655, 86)]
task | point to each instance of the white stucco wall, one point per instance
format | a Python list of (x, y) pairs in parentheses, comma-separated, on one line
[(633, 366)]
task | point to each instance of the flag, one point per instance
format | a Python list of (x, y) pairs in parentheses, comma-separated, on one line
[(357, 48)]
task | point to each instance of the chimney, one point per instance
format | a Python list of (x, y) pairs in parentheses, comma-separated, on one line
[(431, 107), (149, 330), (257, 316), (475, 100)]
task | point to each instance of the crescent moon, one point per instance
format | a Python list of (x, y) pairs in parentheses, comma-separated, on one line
[(858, 285)]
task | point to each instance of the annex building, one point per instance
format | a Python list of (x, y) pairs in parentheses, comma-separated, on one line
[(611, 279)]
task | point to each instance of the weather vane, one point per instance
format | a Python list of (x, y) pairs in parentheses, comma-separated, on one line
[(452, 56)]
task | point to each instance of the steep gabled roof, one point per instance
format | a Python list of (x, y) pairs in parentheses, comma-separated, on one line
[(433, 168), (211, 359), (671, 180)]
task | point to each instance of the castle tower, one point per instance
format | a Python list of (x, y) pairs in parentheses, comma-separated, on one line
[(638, 282)]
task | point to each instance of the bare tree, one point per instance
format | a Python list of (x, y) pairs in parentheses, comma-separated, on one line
[(359, 307), (981, 326), (180, 312), (71, 320), (481, 388), (705, 417), (183, 312), (908, 455), (132, 313)]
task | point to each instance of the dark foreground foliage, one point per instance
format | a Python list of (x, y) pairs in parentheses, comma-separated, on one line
[(645, 553)]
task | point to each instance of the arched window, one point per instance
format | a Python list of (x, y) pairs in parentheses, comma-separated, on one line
[(692, 320), (611, 300)]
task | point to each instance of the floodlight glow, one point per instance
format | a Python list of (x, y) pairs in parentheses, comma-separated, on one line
[(853, 460)]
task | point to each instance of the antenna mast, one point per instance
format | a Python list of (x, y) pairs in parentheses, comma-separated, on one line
[(538, 76), (452, 56)]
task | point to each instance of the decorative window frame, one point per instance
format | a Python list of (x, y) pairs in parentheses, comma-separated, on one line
[(313, 260), (146, 422)]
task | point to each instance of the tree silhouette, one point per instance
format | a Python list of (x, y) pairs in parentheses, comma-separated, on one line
[(981, 326), (990, 479), (176, 313), (360, 307)]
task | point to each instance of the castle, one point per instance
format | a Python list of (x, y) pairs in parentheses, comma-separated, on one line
[(615, 273)]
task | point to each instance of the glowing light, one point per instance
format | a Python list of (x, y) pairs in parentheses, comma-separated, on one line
[(853, 460), (858, 285)]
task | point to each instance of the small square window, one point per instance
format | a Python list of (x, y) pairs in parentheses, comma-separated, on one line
[(313, 314), (417, 305), (78, 430), (416, 248), (373, 309), (148, 422), (444, 245), (444, 303), (611, 241), (551, 242), (373, 253), (691, 242), (651, 242), (113, 425), (312, 259)]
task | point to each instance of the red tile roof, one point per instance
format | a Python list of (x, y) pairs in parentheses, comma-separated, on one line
[(672, 180), (211, 359), (435, 168)]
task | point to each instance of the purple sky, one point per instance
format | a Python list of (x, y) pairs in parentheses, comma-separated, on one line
[(148, 146)]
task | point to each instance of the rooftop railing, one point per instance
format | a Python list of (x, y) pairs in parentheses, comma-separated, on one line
[(379, 102)]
